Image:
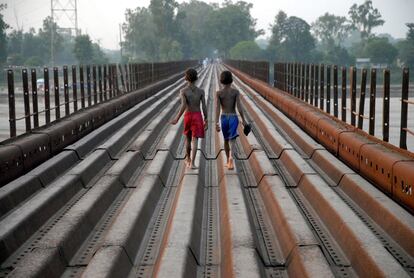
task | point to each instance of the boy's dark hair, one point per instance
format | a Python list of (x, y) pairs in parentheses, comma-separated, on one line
[(191, 75), (226, 77)]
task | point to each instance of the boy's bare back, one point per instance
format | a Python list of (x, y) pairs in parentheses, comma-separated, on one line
[(193, 97), (228, 98)]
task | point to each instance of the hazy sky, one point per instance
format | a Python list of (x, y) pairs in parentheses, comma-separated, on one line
[(101, 18)]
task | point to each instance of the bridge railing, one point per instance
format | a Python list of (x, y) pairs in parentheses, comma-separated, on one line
[(319, 85), (63, 91), (257, 69)]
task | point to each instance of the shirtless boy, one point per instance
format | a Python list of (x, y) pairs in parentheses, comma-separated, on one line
[(227, 99), (194, 126)]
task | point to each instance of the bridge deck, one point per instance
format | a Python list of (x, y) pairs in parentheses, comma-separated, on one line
[(130, 208)]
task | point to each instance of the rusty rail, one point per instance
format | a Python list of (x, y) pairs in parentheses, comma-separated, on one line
[(94, 88), (388, 167)]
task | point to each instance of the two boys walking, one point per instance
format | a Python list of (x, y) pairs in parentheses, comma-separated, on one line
[(227, 99)]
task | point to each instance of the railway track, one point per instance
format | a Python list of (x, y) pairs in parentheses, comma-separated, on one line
[(129, 208)]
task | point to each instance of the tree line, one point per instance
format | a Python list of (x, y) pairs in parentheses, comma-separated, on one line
[(166, 30), (33, 48)]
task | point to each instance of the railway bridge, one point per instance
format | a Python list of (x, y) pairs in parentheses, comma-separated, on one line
[(103, 191)]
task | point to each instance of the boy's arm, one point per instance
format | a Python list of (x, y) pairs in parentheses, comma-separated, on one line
[(240, 108), (182, 108), (204, 107), (217, 108)]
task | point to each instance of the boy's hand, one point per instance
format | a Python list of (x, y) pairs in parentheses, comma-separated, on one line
[(173, 122), (217, 127), (205, 125)]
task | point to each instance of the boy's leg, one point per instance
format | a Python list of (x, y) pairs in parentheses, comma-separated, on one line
[(194, 152), (188, 149), (230, 164), (227, 149)]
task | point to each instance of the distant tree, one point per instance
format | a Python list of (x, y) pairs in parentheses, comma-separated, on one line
[(98, 56), (83, 49), (406, 48), (380, 50), (338, 55), (331, 30), (246, 50), (3, 36), (45, 34), (142, 40), (163, 12), (34, 61), (192, 29), (291, 38), (364, 18), (231, 24), (170, 50)]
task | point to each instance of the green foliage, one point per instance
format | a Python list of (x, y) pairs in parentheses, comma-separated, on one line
[(338, 55), (3, 37), (34, 61), (192, 32), (83, 49), (231, 24), (168, 31), (364, 18), (246, 50), (406, 48), (291, 39), (141, 37), (330, 29), (380, 50)]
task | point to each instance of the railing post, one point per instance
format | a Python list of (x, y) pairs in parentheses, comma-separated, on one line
[(296, 79), (343, 95), (88, 84), (328, 89), (12, 103), (322, 88), (302, 94), (100, 83), (110, 76), (353, 80), (404, 109), (74, 89), (362, 99), (316, 85), (386, 107), (335, 79), (57, 97), (66, 89), (307, 84), (47, 94), (34, 99), (127, 78), (105, 79), (26, 100), (95, 85), (372, 101), (312, 80)]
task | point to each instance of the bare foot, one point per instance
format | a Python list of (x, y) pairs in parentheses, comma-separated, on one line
[(230, 165), (193, 166), (188, 163)]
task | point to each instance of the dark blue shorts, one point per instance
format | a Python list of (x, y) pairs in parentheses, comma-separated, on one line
[(229, 124)]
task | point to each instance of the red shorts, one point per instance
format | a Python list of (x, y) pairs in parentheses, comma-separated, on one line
[(193, 124)]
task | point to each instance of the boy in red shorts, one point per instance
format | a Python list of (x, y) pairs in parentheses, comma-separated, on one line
[(228, 99), (194, 126)]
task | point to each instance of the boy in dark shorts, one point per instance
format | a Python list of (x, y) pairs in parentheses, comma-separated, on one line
[(194, 126), (227, 99)]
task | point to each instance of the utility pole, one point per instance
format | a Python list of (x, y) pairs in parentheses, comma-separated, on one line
[(63, 9)]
